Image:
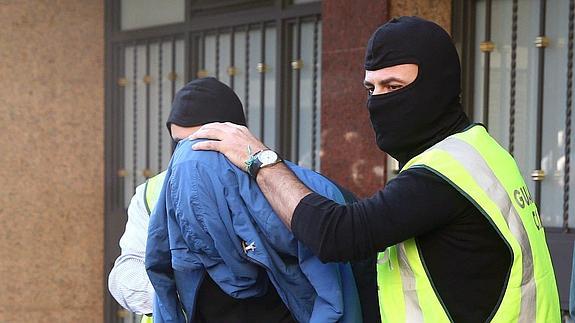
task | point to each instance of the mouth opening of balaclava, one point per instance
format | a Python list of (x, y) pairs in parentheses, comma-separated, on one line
[(413, 118), (203, 101)]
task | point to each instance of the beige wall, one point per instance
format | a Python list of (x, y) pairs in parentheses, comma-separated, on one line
[(51, 153), (436, 10)]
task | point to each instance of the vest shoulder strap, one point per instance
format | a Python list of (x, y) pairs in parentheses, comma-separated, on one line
[(152, 191)]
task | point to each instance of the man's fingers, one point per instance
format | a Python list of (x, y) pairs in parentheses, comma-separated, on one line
[(217, 130), (207, 133), (207, 145), (236, 126)]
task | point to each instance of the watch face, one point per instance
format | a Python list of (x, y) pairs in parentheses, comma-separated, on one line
[(267, 157)]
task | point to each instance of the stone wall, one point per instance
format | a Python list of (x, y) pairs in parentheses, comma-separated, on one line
[(51, 152), (436, 10), (349, 153)]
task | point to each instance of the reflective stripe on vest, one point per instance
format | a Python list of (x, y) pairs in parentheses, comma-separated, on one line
[(152, 191), (487, 175)]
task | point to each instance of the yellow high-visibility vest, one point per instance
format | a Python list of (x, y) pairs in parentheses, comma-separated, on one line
[(152, 190), (151, 195), (478, 167)]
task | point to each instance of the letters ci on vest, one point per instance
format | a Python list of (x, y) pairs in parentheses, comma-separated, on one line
[(474, 163)]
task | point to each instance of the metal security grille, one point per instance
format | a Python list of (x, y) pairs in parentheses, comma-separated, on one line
[(517, 60), (245, 57), (305, 103), (153, 71), (268, 51)]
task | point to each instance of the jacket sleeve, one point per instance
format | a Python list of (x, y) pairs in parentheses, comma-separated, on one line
[(167, 307), (415, 202), (128, 282)]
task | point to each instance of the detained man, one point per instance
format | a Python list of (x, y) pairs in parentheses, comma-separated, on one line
[(128, 281), (212, 225)]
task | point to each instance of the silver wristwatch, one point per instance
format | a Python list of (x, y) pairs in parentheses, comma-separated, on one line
[(264, 158)]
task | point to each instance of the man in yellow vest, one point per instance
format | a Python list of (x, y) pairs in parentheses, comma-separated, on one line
[(459, 236)]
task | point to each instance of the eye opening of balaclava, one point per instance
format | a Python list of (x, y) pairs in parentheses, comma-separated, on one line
[(404, 88), (413, 118)]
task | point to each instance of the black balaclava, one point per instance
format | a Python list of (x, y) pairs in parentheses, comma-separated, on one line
[(412, 119), (203, 101)]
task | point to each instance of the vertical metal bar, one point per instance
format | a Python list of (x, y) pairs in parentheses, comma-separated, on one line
[(297, 104), (283, 89), (568, 110), (188, 4), (463, 17), (232, 69), (160, 98), (513, 78), (119, 138), (314, 95), (217, 54), (203, 60), (247, 80), (173, 73), (486, 67), (112, 134), (262, 80), (193, 56), (135, 117), (541, 79), (148, 127), (173, 68), (188, 62)]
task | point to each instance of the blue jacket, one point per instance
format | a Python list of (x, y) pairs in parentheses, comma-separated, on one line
[(212, 217)]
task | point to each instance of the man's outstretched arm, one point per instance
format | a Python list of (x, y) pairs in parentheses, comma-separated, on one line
[(281, 187), (334, 232)]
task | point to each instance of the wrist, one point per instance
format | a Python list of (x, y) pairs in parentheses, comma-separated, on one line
[(268, 171)]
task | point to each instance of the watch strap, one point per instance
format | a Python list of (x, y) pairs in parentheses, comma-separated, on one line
[(254, 167)]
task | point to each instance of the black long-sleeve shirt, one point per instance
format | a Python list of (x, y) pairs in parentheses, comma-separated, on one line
[(467, 260)]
